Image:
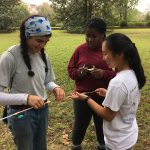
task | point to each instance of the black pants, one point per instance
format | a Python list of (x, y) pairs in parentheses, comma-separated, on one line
[(83, 114)]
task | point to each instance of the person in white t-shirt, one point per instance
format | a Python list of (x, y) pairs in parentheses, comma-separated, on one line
[(26, 71), (123, 94)]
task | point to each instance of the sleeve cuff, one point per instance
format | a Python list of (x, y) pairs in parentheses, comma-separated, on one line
[(24, 98), (51, 85)]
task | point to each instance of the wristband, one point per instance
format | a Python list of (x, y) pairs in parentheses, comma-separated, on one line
[(86, 99)]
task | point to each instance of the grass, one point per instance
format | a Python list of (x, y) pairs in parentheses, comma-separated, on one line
[(60, 49)]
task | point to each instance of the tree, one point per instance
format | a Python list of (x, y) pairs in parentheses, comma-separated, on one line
[(106, 10), (123, 6), (19, 13), (75, 13), (6, 7), (147, 18), (134, 15), (46, 10)]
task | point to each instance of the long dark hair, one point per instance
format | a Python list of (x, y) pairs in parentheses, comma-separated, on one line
[(24, 48), (119, 43), (98, 24)]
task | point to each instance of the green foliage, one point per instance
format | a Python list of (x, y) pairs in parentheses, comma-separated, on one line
[(123, 23), (75, 13), (134, 15), (6, 5), (6, 17), (135, 24), (12, 14), (19, 13), (6, 23), (123, 6), (47, 10), (72, 26), (148, 24), (148, 16)]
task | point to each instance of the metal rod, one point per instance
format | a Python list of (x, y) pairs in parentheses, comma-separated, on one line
[(89, 92)]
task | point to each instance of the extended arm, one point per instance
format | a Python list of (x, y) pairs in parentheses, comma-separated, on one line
[(20, 99), (103, 112)]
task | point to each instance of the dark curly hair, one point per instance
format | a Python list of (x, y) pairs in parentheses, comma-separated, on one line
[(24, 48), (98, 24)]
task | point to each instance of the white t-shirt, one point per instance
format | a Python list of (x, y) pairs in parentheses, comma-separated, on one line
[(12, 66), (123, 96)]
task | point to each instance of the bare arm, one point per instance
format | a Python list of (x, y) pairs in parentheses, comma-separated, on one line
[(103, 112)]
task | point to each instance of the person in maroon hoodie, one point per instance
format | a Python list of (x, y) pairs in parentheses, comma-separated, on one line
[(89, 71)]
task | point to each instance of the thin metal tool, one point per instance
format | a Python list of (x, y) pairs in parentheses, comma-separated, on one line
[(20, 112), (89, 92)]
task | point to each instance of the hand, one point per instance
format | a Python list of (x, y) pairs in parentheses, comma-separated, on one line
[(59, 93), (35, 101), (97, 73), (78, 96), (83, 71), (101, 91)]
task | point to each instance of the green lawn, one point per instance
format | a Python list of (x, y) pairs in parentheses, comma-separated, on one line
[(60, 49)]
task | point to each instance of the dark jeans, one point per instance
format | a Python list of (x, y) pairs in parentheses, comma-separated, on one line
[(30, 130), (83, 114)]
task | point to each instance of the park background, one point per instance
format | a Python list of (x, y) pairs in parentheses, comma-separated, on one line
[(67, 35)]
